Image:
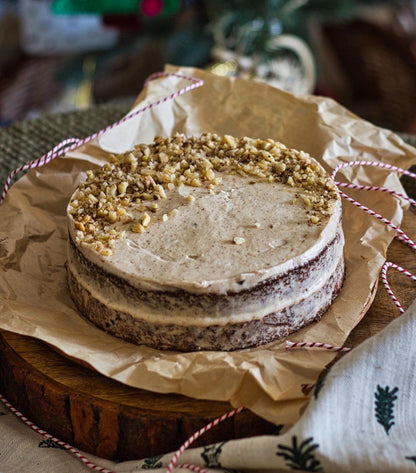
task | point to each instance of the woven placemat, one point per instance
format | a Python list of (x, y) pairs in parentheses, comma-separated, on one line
[(30, 139)]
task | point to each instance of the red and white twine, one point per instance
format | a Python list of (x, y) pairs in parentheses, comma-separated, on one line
[(386, 266), (400, 235), (198, 434), (326, 346), (377, 164), (101, 469), (191, 467), (72, 143), (45, 434)]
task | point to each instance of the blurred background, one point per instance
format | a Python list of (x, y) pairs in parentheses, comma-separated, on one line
[(62, 55)]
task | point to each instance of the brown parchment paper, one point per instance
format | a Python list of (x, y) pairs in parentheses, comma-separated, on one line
[(34, 299)]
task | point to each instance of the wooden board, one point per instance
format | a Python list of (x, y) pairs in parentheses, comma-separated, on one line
[(104, 417)]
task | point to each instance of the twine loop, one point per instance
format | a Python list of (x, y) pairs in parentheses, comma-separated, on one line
[(400, 234)]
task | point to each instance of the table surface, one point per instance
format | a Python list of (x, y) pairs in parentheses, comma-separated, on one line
[(102, 416)]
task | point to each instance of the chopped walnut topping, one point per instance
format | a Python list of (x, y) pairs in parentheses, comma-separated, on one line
[(137, 228), (122, 187), (145, 219), (80, 226), (112, 216), (136, 180), (173, 212), (307, 201)]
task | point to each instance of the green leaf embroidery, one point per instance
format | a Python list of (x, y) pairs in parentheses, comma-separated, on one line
[(413, 459), (48, 443), (300, 457), (152, 462), (384, 406), (211, 454)]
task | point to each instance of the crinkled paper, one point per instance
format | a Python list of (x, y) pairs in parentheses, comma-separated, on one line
[(34, 299)]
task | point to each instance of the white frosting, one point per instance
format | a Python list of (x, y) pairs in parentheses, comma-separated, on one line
[(195, 249)]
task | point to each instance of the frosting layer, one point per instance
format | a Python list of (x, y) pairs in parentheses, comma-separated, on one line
[(196, 249), (192, 337)]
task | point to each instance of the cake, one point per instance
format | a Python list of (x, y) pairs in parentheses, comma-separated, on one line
[(205, 243)]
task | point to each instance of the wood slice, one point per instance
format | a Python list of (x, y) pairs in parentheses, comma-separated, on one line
[(111, 420), (102, 416)]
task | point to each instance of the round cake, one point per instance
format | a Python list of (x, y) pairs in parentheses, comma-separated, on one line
[(205, 243)]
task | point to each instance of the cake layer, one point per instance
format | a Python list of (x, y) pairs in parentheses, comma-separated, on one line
[(181, 307), (171, 336)]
